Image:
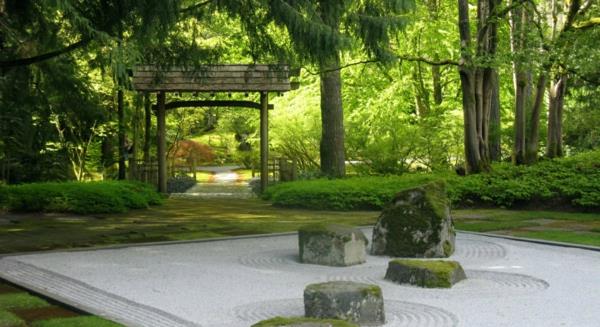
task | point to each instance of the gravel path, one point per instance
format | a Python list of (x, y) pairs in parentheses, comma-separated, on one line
[(237, 282)]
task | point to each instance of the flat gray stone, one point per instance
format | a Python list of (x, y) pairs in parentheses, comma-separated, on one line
[(417, 224), (351, 301), (425, 273), (332, 245)]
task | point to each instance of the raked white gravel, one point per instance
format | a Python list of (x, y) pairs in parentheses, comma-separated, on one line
[(237, 282)]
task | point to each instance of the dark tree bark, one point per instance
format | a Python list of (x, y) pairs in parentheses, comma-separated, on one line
[(533, 132), (556, 94), (495, 143), (332, 151), (477, 83)]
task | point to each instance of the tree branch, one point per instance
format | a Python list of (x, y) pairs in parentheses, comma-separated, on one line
[(194, 7), (45, 56), (446, 62)]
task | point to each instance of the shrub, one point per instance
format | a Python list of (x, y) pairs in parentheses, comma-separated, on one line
[(572, 182), (81, 198), (180, 183), (356, 193)]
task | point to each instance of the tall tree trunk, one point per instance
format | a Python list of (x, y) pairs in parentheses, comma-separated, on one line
[(533, 132), (332, 119), (556, 97), (495, 144), (477, 83), (473, 160)]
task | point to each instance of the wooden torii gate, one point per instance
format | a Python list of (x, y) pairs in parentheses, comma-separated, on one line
[(213, 79)]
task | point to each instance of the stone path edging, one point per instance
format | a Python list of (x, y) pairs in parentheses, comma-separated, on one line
[(86, 297)]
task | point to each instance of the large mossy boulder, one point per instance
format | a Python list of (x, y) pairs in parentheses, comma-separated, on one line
[(425, 273), (416, 223), (303, 322), (355, 302), (332, 245)]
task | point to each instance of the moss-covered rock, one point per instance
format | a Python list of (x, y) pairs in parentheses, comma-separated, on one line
[(8, 319), (303, 322), (332, 245), (416, 223), (355, 302), (425, 273)]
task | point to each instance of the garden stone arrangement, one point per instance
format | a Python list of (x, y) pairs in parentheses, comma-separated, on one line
[(238, 282), (416, 223), (355, 302), (332, 245)]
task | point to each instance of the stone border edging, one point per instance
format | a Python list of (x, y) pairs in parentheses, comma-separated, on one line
[(536, 241), (242, 237)]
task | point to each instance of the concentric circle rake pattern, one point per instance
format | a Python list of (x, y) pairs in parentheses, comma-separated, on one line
[(511, 281), (258, 311), (476, 250), (407, 314), (281, 259), (398, 313)]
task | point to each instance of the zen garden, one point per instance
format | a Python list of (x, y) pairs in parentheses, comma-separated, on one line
[(299, 163)]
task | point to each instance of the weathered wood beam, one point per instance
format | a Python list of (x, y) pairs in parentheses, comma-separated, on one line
[(161, 146), (213, 103), (264, 141)]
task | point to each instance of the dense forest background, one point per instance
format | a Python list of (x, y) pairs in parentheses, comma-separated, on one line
[(388, 86)]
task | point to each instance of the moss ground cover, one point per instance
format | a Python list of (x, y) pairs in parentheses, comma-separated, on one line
[(20, 309), (176, 219)]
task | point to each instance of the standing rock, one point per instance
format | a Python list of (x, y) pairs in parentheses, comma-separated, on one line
[(332, 245), (416, 223)]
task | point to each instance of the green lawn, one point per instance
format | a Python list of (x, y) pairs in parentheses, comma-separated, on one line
[(177, 219), (19, 308), (570, 227)]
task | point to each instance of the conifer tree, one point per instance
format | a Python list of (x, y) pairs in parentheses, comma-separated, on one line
[(320, 30)]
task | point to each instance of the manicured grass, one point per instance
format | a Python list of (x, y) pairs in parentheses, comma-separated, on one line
[(9, 319), (562, 236), (19, 309), (570, 227), (83, 321), (177, 219), (21, 300)]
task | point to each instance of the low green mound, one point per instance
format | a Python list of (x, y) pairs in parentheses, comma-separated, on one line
[(300, 321), (572, 182), (79, 197), (425, 273), (83, 321)]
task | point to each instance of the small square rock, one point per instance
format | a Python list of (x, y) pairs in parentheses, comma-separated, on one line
[(355, 302), (332, 245)]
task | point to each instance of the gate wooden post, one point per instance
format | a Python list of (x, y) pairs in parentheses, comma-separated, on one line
[(264, 141), (161, 142)]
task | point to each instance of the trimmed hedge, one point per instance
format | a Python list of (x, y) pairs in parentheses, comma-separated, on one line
[(569, 182), (79, 197)]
